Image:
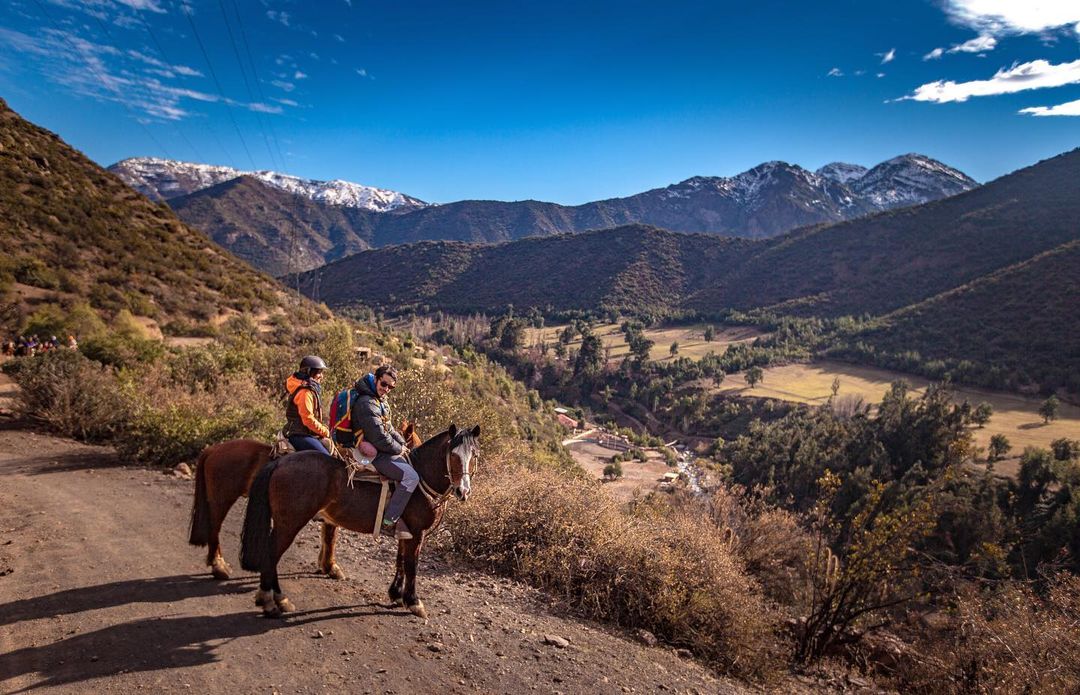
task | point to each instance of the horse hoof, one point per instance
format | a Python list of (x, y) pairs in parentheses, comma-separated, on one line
[(284, 604), (418, 610), (220, 571), (271, 611), (336, 573)]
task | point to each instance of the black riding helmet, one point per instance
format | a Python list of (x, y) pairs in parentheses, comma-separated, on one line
[(311, 363)]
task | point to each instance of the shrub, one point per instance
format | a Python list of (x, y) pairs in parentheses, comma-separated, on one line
[(168, 426), (613, 470), (119, 350), (666, 572), (70, 394)]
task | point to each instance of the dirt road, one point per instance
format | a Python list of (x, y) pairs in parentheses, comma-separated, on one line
[(100, 592)]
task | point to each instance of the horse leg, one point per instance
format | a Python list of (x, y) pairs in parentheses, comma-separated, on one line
[(399, 576), (274, 601), (411, 551), (327, 564), (218, 567)]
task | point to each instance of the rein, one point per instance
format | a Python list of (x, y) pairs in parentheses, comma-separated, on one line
[(434, 498)]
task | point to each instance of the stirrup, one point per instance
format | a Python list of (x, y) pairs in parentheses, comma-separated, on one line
[(401, 531)]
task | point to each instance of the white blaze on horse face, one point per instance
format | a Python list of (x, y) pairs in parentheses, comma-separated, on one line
[(464, 453)]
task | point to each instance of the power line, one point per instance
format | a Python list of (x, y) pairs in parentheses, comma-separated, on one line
[(217, 83), (105, 81), (258, 82), (247, 83)]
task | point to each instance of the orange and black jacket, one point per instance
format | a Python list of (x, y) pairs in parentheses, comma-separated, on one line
[(303, 411)]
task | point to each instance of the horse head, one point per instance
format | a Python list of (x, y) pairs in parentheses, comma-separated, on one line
[(463, 451)]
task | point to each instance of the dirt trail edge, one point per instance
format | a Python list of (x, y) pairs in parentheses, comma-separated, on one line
[(100, 592)]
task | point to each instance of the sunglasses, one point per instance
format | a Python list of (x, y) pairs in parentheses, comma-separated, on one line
[(387, 386)]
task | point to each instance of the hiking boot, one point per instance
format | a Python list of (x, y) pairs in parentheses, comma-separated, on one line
[(387, 528)]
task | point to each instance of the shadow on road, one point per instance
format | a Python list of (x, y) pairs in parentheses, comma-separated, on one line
[(151, 590), (148, 644)]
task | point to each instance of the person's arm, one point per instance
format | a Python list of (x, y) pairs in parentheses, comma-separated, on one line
[(367, 417), (305, 403)]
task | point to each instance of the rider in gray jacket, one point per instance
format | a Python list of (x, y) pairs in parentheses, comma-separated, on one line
[(371, 414)]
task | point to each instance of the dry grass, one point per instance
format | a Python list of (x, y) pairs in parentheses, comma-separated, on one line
[(691, 339), (1011, 640), (666, 571), (1014, 416)]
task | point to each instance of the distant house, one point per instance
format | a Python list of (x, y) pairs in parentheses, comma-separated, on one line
[(566, 421), (363, 353)]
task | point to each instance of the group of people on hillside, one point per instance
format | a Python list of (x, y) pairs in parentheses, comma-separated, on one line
[(28, 346), (370, 431)]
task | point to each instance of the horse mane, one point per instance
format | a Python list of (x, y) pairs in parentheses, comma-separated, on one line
[(433, 441)]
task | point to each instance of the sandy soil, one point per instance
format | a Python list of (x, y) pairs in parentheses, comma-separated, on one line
[(638, 478), (99, 592)]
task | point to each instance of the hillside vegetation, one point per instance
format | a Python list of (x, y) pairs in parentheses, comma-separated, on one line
[(74, 231)]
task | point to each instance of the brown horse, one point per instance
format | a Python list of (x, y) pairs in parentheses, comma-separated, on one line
[(293, 489), (223, 474)]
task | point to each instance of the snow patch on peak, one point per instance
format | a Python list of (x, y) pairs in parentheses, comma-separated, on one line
[(842, 172), (164, 178)]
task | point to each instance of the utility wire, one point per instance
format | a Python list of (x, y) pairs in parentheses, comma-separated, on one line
[(258, 83), (221, 92), (247, 83)]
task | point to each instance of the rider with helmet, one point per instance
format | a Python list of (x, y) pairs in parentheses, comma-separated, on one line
[(303, 410)]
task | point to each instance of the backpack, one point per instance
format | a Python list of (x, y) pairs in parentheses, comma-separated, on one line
[(341, 418)]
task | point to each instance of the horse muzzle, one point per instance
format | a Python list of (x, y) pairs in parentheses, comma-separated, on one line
[(462, 489)]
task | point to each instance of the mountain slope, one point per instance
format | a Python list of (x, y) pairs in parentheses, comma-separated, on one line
[(70, 227), (634, 267)]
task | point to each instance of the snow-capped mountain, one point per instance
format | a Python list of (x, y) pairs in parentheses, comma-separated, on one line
[(910, 179), (842, 172), (163, 179)]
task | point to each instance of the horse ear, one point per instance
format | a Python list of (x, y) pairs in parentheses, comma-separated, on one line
[(453, 430), (476, 431)]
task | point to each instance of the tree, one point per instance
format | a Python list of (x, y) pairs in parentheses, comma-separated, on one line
[(1065, 449), (567, 335), (981, 415), (613, 470), (999, 447), (674, 349), (835, 388), (590, 358), (718, 377), (1049, 409), (710, 333), (754, 376), (560, 350)]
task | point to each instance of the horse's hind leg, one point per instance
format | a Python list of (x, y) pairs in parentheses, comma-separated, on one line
[(399, 577), (327, 564), (218, 567), (274, 601), (411, 551)]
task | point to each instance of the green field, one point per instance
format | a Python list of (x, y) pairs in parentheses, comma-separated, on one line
[(691, 339), (1014, 416)]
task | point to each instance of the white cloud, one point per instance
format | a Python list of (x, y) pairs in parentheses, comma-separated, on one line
[(280, 17), (361, 72), (1001, 17), (835, 72), (881, 74), (299, 75), (286, 102), (979, 44), (339, 38), (888, 56), (1071, 108), (151, 5), (264, 108), (934, 54), (283, 85), (1037, 74)]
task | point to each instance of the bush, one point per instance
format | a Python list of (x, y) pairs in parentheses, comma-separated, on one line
[(613, 470), (168, 426), (70, 394), (667, 573)]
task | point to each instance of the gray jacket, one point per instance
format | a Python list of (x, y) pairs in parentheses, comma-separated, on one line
[(371, 415)]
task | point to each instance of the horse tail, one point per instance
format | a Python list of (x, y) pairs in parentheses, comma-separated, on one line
[(255, 538), (200, 507)]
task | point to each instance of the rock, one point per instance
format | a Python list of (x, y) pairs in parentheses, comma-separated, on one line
[(183, 470), (646, 638), (556, 641), (683, 653), (436, 647), (318, 635)]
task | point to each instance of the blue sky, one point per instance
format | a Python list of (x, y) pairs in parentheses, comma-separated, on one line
[(560, 101)]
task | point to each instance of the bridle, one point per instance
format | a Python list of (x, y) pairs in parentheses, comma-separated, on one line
[(438, 499)]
